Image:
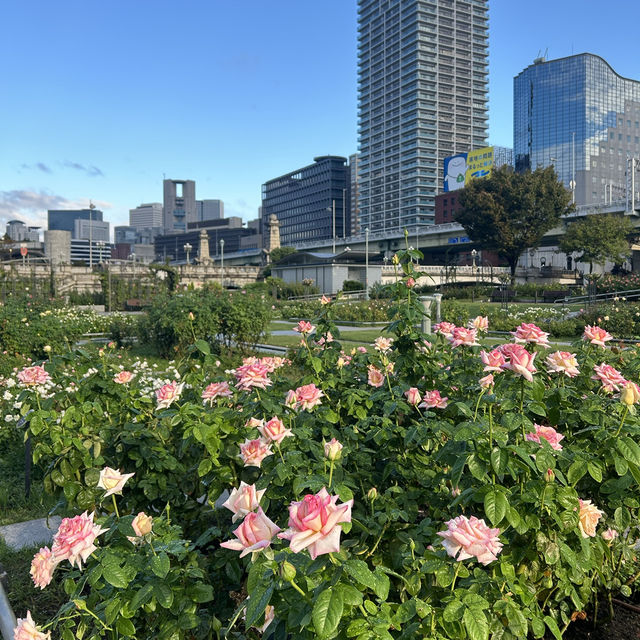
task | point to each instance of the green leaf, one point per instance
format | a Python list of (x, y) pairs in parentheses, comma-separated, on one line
[(517, 621), (595, 471), (327, 611), (163, 594), (125, 627), (553, 627), (476, 624), (350, 595), (115, 576), (200, 592), (204, 467), (453, 611), (629, 449), (203, 347), (576, 471), (495, 506), (258, 601), (360, 572), (160, 564), (142, 596)]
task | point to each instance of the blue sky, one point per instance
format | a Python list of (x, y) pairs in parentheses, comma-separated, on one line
[(101, 99)]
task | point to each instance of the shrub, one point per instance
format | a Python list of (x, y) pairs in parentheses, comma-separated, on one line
[(352, 285)]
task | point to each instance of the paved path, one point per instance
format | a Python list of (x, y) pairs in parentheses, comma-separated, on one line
[(291, 332), (29, 534)]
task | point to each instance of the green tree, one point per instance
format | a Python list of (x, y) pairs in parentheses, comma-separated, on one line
[(279, 253), (598, 238), (509, 212)]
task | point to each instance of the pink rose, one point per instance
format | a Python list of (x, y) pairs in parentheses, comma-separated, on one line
[(469, 537), (445, 329), (433, 400), (274, 430), (487, 382), (74, 539), (304, 327), (112, 481), (493, 360), (274, 362), (168, 394), (411, 282), (314, 523), (383, 344), (243, 500), (362, 349), (216, 390), (252, 376), (142, 524), (375, 377), (123, 377), (254, 534), (520, 361), (529, 332), (33, 376), (589, 516), (596, 335), (290, 401), (254, 423), (611, 379), (563, 362), (308, 396), (464, 336), (610, 534), (413, 396), (253, 452), (480, 323), (325, 300), (546, 433), (42, 567), (333, 450), (26, 630)]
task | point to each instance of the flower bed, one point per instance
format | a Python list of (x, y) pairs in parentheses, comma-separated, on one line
[(425, 489)]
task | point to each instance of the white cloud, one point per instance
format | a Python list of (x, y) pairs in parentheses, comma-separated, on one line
[(31, 206)]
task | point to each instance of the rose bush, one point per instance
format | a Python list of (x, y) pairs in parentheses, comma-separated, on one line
[(472, 496)]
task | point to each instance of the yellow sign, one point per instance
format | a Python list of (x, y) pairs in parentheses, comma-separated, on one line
[(464, 167), (479, 163)]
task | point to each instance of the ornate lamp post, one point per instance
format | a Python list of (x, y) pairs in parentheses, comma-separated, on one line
[(222, 261), (187, 247)]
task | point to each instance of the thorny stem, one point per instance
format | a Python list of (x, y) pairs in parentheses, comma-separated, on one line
[(332, 462), (455, 576), (475, 415)]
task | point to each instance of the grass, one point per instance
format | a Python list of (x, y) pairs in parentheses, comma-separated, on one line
[(15, 506), (22, 593)]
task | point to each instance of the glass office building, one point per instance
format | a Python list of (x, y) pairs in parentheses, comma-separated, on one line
[(578, 114), (422, 83), (310, 202)]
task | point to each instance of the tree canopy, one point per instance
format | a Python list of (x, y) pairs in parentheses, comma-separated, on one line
[(279, 253), (509, 212), (598, 238)]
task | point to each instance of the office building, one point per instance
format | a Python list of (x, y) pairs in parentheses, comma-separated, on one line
[(64, 219), (18, 231), (209, 210), (423, 84), (95, 230), (179, 205), (579, 115), (311, 203), (146, 216), (125, 234)]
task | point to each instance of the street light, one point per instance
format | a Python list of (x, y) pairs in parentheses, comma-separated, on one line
[(187, 247), (474, 254), (222, 261), (344, 217), (366, 268), (100, 244)]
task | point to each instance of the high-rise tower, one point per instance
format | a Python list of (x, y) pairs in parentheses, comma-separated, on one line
[(422, 97), (579, 115)]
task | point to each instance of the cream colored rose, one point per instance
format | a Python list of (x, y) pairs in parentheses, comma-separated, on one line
[(589, 516)]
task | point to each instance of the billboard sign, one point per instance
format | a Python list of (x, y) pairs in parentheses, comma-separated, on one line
[(464, 167)]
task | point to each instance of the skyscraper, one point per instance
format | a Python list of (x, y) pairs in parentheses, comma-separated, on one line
[(422, 97), (578, 114), (311, 203), (179, 205)]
